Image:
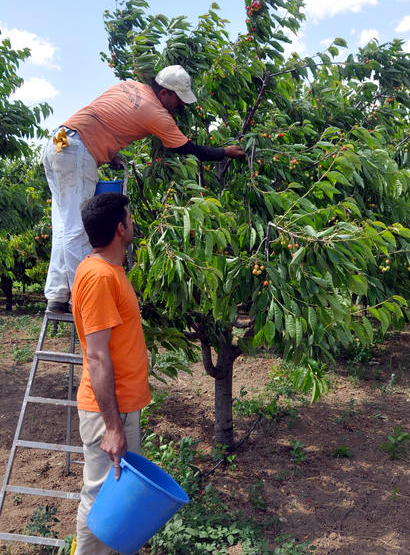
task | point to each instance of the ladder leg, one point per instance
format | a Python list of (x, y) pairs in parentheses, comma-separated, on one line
[(22, 412), (66, 358), (69, 396)]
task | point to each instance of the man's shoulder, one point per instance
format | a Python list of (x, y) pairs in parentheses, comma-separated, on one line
[(93, 268), (130, 85)]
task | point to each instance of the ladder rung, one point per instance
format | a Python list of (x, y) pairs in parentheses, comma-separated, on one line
[(60, 317), (49, 401), (51, 356), (44, 492), (31, 539), (49, 446)]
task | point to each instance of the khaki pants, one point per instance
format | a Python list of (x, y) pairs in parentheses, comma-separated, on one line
[(96, 468)]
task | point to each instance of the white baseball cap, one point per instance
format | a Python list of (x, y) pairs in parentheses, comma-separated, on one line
[(175, 78)]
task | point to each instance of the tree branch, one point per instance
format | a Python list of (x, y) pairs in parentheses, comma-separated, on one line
[(207, 359), (251, 113), (406, 138), (192, 336), (245, 125)]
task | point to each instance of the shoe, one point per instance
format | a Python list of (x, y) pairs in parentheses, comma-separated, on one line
[(58, 307)]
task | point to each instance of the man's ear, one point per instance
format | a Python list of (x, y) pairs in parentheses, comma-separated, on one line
[(162, 95), (120, 229)]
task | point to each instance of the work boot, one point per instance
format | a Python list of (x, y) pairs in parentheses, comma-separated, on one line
[(58, 307)]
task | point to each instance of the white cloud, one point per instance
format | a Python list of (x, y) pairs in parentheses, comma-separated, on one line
[(35, 89), (325, 8), (367, 35), (404, 25), (406, 46), (42, 52)]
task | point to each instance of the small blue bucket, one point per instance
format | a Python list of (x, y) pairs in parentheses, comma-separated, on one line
[(129, 511), (109, 187)]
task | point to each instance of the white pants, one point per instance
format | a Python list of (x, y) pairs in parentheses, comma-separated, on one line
[(96, 468), (72, 177)]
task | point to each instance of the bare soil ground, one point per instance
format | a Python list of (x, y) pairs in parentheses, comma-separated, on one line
[(343, 506)]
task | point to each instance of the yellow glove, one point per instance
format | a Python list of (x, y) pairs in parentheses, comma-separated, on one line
[(74, 542), (60, 140)]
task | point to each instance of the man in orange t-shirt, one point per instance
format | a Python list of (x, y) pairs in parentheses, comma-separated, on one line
[(126, 112), (114, 382)]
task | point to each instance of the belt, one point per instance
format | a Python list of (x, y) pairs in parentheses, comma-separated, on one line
[(69, 132), (60, 138)]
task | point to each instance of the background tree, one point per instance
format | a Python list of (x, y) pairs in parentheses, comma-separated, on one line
[(22, 184), (18, 121), (25, 224), (304, 247)]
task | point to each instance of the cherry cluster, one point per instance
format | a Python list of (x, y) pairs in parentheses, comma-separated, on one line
[(254, 7)]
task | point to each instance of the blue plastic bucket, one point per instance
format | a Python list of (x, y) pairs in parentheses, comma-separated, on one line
[(129, 511), (109, 187)]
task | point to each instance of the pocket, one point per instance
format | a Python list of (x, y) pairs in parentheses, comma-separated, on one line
[(92, 427)]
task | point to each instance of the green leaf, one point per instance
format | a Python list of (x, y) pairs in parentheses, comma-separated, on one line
[(358, 284), (312, 318), (400, 299), (338, 41), (375, 313), (187, 224), (259, 338), (368, 327), (278, 317), (269, 331), (385, 319), (298, 257), (209, 244), (298, 331), (252, 238), (290, 325)]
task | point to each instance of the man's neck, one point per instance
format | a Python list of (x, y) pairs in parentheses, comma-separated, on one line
[(109, 255)]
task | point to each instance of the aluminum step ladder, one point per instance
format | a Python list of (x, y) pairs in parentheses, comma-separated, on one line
[(48, 356)]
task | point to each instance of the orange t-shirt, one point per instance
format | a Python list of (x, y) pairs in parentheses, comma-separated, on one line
[(126, 112), (103, 298)]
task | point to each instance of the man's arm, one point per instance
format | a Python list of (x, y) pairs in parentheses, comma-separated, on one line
[(117, 162), (207, 153), (101, 372)]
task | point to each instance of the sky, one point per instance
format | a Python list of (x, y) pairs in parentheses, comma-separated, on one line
[(66, 38)]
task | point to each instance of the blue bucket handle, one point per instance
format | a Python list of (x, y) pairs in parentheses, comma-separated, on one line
[(125, 464)]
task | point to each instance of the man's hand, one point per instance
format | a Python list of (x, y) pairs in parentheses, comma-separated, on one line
[(234, 151), (117, 162), (114, 444)]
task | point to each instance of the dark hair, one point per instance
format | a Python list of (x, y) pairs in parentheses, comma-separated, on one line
[(101, 215), (158, 88)]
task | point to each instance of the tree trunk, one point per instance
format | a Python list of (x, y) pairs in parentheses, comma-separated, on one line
[(222, 372), (6, 284), (223, 408)]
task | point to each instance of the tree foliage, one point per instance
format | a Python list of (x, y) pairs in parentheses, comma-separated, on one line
[(24, 224), (22, 202), (18, 121), (303, 247)]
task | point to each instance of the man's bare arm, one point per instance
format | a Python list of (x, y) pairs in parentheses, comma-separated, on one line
[(101, 372)]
